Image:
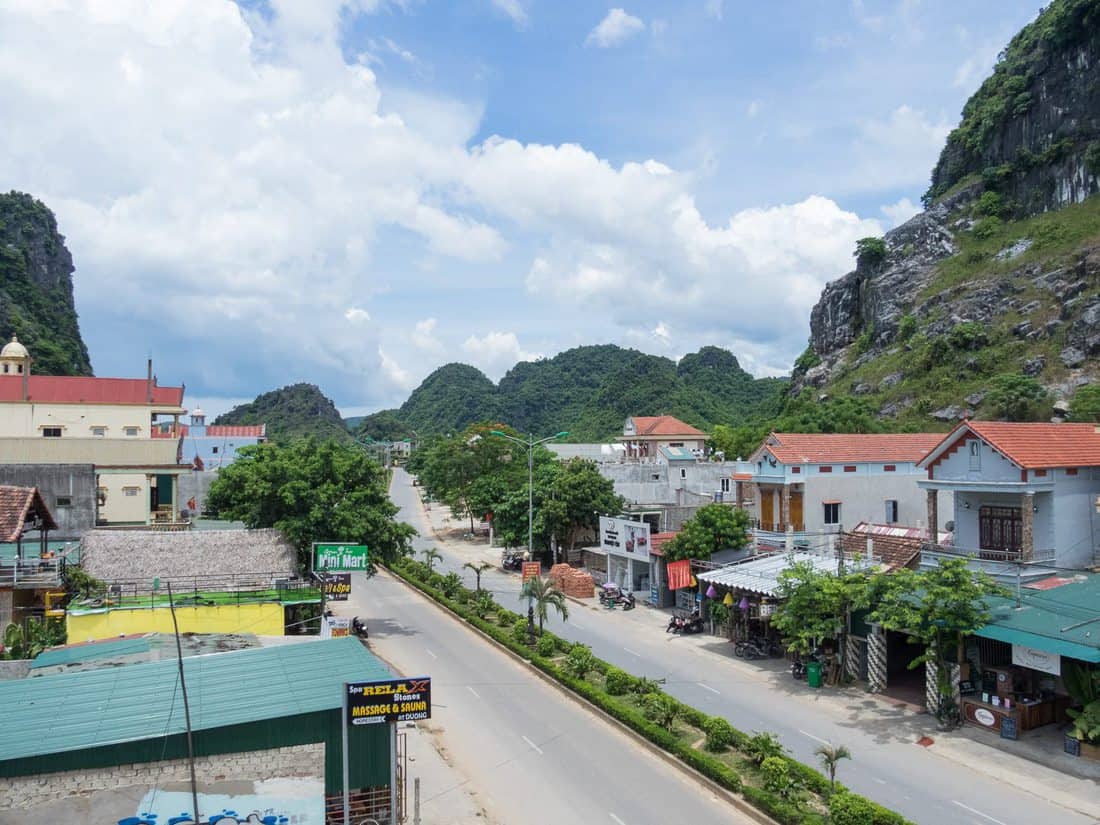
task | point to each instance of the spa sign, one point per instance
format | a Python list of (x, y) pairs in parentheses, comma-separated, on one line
[(391, 700)]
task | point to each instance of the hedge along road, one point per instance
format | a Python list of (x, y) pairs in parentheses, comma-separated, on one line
[(532, 754), (886, 766)]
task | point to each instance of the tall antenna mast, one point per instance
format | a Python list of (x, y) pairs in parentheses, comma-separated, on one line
[(186, 707)]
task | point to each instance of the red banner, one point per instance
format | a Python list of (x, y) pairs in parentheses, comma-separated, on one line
[(531, 570), (679, 574)]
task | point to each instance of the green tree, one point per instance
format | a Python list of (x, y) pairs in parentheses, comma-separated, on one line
[(830, 756), (662, 709), (312, 491), (478, 568), (738, 442), (544, 595), (870, 251), (1086, 404), (936, 608), (1017, 397), (431, 556), (577, 494), (714, 527)]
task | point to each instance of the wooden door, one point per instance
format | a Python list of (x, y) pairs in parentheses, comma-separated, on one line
[(1000, 528), (767, 509), (796, 511)]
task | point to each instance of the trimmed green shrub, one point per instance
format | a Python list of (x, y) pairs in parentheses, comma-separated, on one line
[(519, 631), (546, 646), (618, 682), (662, 709), (719, 734), (777, 775), (761, 746), (849, 809), (580, 661)]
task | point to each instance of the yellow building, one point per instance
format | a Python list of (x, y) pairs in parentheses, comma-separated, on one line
[(106, 422)]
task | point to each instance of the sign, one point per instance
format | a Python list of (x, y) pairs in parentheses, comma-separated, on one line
[(390, 700), (342, 558), (337, 586), (984, 717), (679, 574), (624, 538), (531, 570), (1034, 659), (1071, 745), (1008, 728), (335, 627)]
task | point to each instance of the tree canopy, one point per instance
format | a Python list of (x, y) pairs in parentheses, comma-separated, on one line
[(714, 527)]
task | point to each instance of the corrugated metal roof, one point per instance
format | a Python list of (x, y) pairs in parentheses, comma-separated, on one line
[(677, 453), (73, 711), (105, 649), (1061, 619), (762, 575)]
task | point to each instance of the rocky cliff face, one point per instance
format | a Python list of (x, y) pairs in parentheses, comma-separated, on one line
[(36, 287)]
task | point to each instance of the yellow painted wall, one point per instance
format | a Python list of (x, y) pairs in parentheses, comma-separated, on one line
[(260, 619)]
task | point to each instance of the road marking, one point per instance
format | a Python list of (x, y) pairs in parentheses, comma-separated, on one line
[(431, 654), (976, 811), (474, 692), (815, 738), (535, 747), (619, 821), (632, 653), (708, 687), (880, 781)]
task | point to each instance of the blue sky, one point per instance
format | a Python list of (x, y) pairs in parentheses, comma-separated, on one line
[(353, 192)]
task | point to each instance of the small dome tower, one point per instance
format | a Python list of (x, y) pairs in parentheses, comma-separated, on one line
[(14, 358), (198, 417)]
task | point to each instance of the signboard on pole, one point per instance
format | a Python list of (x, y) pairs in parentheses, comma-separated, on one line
[(335, 627), (531, 570), (625, 538), (390, 700), (337, 586), (340, 558)]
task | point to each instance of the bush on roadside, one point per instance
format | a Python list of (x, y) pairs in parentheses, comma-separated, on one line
[(546, 646), (761, 746), (719, 734), (777, 776), (519, 631), (618, 682), (662, 709), (579, 661), (849, 809)]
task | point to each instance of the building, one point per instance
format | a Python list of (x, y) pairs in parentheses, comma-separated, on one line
[(643, 435), (1017, 492), (108, 423), (814, 484), (28, 568), (210, 447), (115, 739)]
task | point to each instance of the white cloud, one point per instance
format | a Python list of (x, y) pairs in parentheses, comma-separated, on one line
[(423, 336), (514, 9), (615, 29), (662, 333), (753, 109), (898, 213), (898, 151), (357, 315), (977, 66), (713, 8), (496, 352), (394, 371)]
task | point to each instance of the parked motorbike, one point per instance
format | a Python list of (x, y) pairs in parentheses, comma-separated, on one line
[(748, 649), (679, 623), (627, 601), (798, 666), (359, 628), (511, 560)]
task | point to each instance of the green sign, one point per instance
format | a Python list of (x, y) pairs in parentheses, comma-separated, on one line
[(340, 558)]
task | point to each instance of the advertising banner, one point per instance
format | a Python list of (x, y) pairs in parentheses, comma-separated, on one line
[(340, 558), (337, 587), (622, 537), (679, 574), (335, 627), (531, 570), (390, 700), (1037, 659)]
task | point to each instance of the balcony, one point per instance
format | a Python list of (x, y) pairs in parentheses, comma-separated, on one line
[(1005, 556), (31, 573)]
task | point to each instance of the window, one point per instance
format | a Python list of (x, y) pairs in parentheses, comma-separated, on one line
[(975, 449), (825, 469), (130, 432), (131, 491), (1071, 471), (1040, 473), (683, 472), (51, 432), (796, 470), (654, 476), (891, 511), (99, 432), (889, 468), (1000, 528), (676, 443), (725, 485), (215, 451), (832, 512), (849, 468), (64, 501)]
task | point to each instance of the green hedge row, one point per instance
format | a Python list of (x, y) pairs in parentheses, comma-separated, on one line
[(845, 808)]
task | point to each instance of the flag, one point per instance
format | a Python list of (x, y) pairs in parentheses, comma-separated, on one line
[(191, 505), (679, 574)]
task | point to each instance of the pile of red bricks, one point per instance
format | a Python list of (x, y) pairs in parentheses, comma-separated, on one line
[(572, 582)]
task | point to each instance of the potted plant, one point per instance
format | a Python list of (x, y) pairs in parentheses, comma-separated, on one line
[(1086, 729)]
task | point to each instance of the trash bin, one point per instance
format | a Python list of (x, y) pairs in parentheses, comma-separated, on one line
[(813, 674)]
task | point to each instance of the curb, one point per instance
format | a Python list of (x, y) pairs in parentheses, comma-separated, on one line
[(723, 793)]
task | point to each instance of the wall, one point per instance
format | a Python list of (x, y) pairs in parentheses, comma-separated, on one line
[(658, 483), (104, 452), (215, 451), (195, 484), (298, 760), (264, 619), (77, 481), (120, 508), (77, 420), (1076, 528), (863, 495), (993, 466), (139, 555)]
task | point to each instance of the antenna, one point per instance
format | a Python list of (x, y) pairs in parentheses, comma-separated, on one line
[(186, 707)]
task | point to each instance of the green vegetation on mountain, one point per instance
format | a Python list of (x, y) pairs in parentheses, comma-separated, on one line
[(36, 288), (587, 391), (294, 411)]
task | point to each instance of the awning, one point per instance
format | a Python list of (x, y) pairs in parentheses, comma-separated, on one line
[(1063, 647), (761, 574)]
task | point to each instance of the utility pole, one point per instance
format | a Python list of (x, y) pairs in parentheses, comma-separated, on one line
[(186, 707)]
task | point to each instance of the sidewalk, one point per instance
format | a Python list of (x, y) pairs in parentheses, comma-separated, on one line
[(1040, 770)]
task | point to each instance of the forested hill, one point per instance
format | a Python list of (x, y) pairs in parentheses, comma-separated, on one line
[(588, 391), (36, 288), (291, 412)]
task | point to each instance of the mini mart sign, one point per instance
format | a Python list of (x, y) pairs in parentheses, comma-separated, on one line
[(340, 558)]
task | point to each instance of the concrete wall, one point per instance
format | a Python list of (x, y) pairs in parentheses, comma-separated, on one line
[(1076, 525), (75, 481), (126, 498), (195, 484), (265, 619), (28, 792), (77, 420), (660, 483), (863, 497), (141, 555), (991, 465)]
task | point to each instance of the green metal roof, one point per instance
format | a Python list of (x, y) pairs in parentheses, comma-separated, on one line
[(73, 711), (90, 652), (1064, 619)]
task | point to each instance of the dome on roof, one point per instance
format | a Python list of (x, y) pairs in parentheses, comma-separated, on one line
[(13, 349), (197, 411)]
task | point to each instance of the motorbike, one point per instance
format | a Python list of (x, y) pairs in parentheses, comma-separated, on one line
[(679, 623), (798, 666), (359, 628), (623, 600), (511, 560), (748, 649)]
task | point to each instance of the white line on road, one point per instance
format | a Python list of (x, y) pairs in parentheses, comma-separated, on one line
[(431, 654), (533, 745), (815, 738), (979, 813), (708, 687), (619, 821), (880, 781), (632, 653), (474, 692)]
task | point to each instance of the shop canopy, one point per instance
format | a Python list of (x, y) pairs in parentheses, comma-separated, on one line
[(1056, 615), (761, 575)]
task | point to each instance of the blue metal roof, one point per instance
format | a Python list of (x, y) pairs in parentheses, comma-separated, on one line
[(88, 709), (677, 453)]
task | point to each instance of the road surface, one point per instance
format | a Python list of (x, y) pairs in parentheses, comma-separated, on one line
[(886, 765)]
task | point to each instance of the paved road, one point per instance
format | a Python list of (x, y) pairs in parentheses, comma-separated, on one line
[(887, 765), (533, 755)]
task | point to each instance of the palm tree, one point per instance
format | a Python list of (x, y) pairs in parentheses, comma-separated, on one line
[(544, 595), (431, 556), (830, 755), (478, 569)]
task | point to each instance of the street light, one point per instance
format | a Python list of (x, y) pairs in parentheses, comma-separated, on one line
[(530, 444)]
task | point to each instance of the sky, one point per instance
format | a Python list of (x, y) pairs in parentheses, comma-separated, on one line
[(355, 192)]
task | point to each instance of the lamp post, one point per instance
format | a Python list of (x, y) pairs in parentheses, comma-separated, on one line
[(530, 444)]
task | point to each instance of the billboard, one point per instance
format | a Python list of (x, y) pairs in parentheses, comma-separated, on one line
[(337, 586), (390, 700), (340, 558), (622, 537)]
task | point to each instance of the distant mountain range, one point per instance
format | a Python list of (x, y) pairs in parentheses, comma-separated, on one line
[(291, 412)]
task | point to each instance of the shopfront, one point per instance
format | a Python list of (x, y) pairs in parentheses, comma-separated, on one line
[(626, 544)]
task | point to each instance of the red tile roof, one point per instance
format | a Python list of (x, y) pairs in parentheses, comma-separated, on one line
[(1034, 446), (836, 448), (657, 542), (664, 425), (16, 503), (68, 389)]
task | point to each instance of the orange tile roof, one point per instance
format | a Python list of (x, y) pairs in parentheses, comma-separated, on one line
[(664, 425), (836, 448), (1034, 445), (16, 503), (657, 542), (80, 389)]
